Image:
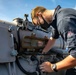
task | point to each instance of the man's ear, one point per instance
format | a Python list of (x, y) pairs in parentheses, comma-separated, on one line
[(39, 14)]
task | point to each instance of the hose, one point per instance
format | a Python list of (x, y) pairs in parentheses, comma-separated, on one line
[(24, 71)]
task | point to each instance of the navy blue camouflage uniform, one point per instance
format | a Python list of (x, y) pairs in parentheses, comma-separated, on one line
[(64, 24)]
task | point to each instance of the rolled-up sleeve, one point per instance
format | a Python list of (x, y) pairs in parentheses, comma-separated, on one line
[(71, 43), (55, 34)]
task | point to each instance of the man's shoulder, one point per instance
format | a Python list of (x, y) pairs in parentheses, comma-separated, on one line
[(66, 11)]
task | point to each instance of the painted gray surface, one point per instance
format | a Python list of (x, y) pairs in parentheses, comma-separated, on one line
[(8, 64)]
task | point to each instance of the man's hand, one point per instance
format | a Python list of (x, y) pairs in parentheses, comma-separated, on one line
[(46, 67), (49, 45), (44, 52)]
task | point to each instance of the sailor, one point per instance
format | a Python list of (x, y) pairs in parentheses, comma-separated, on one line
[(63, 20)]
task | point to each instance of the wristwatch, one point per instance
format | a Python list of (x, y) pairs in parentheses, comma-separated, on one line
[(53, 67)]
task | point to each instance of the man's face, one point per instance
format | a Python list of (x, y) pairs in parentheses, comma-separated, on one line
[(40, 20)]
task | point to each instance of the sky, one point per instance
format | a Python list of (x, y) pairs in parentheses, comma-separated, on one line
[(10, 9)]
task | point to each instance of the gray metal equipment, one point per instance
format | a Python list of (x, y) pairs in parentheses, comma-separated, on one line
[(21, 44)]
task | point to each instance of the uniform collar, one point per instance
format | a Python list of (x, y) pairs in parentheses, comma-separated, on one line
[(54, 19), (56, 10)]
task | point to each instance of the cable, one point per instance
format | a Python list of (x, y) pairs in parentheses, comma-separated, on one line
[(24, 71)]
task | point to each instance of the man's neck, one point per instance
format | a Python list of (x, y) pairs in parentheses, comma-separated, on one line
[(50, 15), (52, 12)]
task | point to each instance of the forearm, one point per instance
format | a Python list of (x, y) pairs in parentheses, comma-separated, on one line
[(49, 44), (68, 62)]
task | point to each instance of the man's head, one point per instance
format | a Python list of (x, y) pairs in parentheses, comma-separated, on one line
[(41, 16)]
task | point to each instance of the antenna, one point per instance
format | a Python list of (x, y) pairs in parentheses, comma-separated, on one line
[(26, 21), (26, 16)]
